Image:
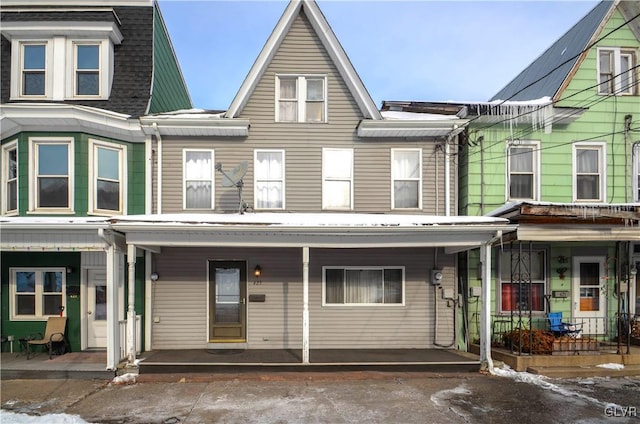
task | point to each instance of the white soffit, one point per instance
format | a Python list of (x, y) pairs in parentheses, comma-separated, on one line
[(578, 233)]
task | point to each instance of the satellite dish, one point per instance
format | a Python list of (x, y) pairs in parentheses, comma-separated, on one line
[(234, 179)]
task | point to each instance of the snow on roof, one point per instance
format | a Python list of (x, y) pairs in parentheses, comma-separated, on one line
[(509, 206), (54, 220), (416, 116), (190, 113)]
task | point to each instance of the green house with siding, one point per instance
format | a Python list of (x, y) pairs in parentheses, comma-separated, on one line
[(557, 152), (77, 79)]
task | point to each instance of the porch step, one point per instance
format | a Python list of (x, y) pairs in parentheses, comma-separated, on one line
[(584, 371)]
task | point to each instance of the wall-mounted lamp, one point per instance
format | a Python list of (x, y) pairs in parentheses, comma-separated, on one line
[(70, 270), (563, 259), (257, 271), (561, 272), (154, 276)]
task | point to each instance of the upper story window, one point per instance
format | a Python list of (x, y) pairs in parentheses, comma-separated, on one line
[(616, 71), (107, 177), (36, 293), (406, 172), (589, 172), (269, 179), (198, 179), (523, 171), (337, 179), (10, 178), (301, 98), (363, 286), (517, 270), (51, 172), (636, 172), (53, 61)]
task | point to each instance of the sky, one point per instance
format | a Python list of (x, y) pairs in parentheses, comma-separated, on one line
[(421, 50)]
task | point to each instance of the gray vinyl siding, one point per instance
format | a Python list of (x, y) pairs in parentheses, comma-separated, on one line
[(179, 300), (302, 53)]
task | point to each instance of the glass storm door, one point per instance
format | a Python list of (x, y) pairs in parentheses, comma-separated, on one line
[(96, 309), (589, 300), (227, 301)]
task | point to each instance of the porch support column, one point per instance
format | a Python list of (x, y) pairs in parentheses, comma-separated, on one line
[(485, 315), (131, 312), (113, 334), (305, 305)]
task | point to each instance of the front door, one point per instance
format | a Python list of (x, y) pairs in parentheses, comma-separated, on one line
[(96, 308), (227, 301), (590, 301)]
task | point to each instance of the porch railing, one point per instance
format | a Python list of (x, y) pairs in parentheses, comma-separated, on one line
[(123, 337), (525, 335)]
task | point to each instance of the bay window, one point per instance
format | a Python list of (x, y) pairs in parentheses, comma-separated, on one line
[(10, 177), (108, 187), (52, 174)]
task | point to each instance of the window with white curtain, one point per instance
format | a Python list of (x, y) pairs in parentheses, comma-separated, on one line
[(636, 174), (269, 179), (368, 286), (589, 172), (337, 179), (198, 179), (523, 171), (301, 98), (406, 171), (616, 71)]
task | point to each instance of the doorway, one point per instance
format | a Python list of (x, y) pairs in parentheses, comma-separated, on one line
[(96, 309), (227, 301), (590, 300)]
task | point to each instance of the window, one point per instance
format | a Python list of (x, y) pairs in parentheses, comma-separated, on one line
[(10, 177), (636, 173), (523, 171), (368, 286), (33, 63), (52, 174), (37, 293), (198, 179), (522, 280), (337, 186), (300, 98), (406, 173), (616, 74), (588, 165), (269, 179), (107, 173), (87, 69)]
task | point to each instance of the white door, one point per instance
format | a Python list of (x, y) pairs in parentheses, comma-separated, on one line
[(96, 309), (589, 294)]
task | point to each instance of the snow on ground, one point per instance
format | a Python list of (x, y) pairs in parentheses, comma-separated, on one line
[(611, 366), (128, 378), (7, 417)]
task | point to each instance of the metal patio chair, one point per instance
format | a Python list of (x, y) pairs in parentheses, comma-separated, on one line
[(53, 333)]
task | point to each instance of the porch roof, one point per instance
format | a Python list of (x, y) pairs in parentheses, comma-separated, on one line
[(346, 230)]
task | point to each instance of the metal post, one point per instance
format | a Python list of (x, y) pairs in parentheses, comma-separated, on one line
[(485, 320)]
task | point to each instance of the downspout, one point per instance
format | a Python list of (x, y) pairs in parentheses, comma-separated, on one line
[(627, 129), (159, 170), (481, 139), (447, 177), (485, 320)]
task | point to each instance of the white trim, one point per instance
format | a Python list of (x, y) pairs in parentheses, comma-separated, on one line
[(325, 178), (33, 173), (601, 148), (17, 70), (362, 268), (105, 69), (545, 279), (38, 292), (4, 178), (184, 178), (256, 177), (301, 97), (534, 145), (419, 179), (616, 56), (93, 171)]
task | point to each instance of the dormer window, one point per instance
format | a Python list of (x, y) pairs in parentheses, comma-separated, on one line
[(87, 69), (301, 98), (33, 72)]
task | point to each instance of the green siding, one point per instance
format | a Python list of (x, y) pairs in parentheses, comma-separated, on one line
[(169, 91)]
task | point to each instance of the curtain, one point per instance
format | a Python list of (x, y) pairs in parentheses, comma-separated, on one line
[(588, 186), (334, 286), (269, 176), (521, 172), (337, 165), (198, 176), (288, 105), (363, 286), (406, 176)]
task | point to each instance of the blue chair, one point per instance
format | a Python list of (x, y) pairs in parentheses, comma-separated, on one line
[(560, 328)]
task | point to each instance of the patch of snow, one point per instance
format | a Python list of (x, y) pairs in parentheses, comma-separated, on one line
[(611, 366), (415, 116), (16, 418), (128, 378), (439, 397)]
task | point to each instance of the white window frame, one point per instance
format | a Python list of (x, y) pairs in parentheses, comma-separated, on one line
[(543, 281), (184, 178), (94, 145), (257, 178), (418, 179), (72, 71), (17, 69), (534, 145), (636, 172), (39, 293), (601, 147), (6, 148), (301, 97), (363, 268), (616, 83), (34, 142), (327, 178)]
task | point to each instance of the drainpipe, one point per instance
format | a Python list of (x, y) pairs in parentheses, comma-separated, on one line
[(113, 336), (159, 170), (447, 177), (485, 315), (627, 129), (131, 312)]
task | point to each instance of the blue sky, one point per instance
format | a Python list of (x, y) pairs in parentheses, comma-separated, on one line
[(402, 50)]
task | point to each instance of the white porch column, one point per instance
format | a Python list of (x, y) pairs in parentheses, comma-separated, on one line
[(305, 305), (485, 315), (113, 334), (131, 312)]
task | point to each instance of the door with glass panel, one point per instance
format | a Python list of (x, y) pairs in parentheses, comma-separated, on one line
[(589, 294), (96, 309), (227, 301)]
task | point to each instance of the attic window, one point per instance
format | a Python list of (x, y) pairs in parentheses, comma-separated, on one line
[(301, 98), (616, 71)]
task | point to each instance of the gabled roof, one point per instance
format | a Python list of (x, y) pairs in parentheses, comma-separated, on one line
[(330, 43), (546, 75)]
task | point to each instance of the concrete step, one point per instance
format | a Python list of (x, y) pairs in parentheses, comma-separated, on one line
[(584, 371)]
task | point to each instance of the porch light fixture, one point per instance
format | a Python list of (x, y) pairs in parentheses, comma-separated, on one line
[(70, 269), (561, 272), (257, 271), (154, 276)]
